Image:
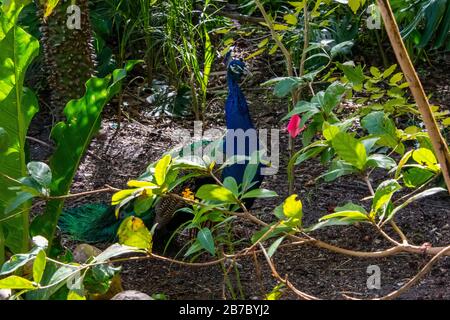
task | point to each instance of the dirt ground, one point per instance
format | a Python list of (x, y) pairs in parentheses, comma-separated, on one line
[(141, 140)]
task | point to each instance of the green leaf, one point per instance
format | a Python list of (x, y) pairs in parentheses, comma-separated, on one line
[(330, 131), (15, 262), (416, 177), (231, 184), (133, 232), (351, 207), (381, 161), (260, 193), (40, 172), (161, 169), (333, 96), (39, 266), (350, 150), (72, 137), (354, 74), (274, 246), (347, 215), (20, 199), (383, 196), (17, 107), (286, 85), (213, 192), (206, 240), (378, 123), (17, 283), (426, 157)]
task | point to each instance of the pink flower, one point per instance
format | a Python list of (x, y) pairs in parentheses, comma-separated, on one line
[(294, 126)]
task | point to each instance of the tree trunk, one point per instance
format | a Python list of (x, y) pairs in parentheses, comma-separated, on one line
[(69, 53)]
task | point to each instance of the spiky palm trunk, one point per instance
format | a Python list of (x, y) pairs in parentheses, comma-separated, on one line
[(69, 54)]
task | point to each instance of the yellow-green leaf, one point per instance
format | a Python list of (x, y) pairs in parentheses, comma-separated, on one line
[(161, 169), (140, 184), (291, 19), (49, 7), (293, 208), (133, 232), (426, 157), (16, 282), (74, 295), (120, 195), (280, 27), (39, 266), (354, 5)]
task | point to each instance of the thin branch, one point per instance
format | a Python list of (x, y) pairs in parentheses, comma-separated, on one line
[(413, 281)]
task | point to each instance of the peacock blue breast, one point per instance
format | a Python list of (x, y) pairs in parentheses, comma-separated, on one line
[(241, 138)]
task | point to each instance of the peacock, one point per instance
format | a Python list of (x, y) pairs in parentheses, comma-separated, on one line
[(97, 222)]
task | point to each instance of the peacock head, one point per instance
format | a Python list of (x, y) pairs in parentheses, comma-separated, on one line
[(236, 68)]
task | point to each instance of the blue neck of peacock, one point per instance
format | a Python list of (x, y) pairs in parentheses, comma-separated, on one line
[(237, 114)]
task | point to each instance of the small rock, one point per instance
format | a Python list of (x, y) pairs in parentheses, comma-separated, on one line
[(5, 294), (84, 251), (131, 295)]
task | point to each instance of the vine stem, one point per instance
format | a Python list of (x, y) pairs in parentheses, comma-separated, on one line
[(411, 282)]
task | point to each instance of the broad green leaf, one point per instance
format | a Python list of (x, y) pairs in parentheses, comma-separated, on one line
[(260, 193), (133, 232), (333, 96), (206, 240), (72, 137), (18, 283), (329, 131), (231, 184), (20, 199), (338, 169), (213, 192), (415, 177), (17, 107), (39, 266), (383, 196), (381, 161), (350, 150), (353, 74), (377, 123)]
